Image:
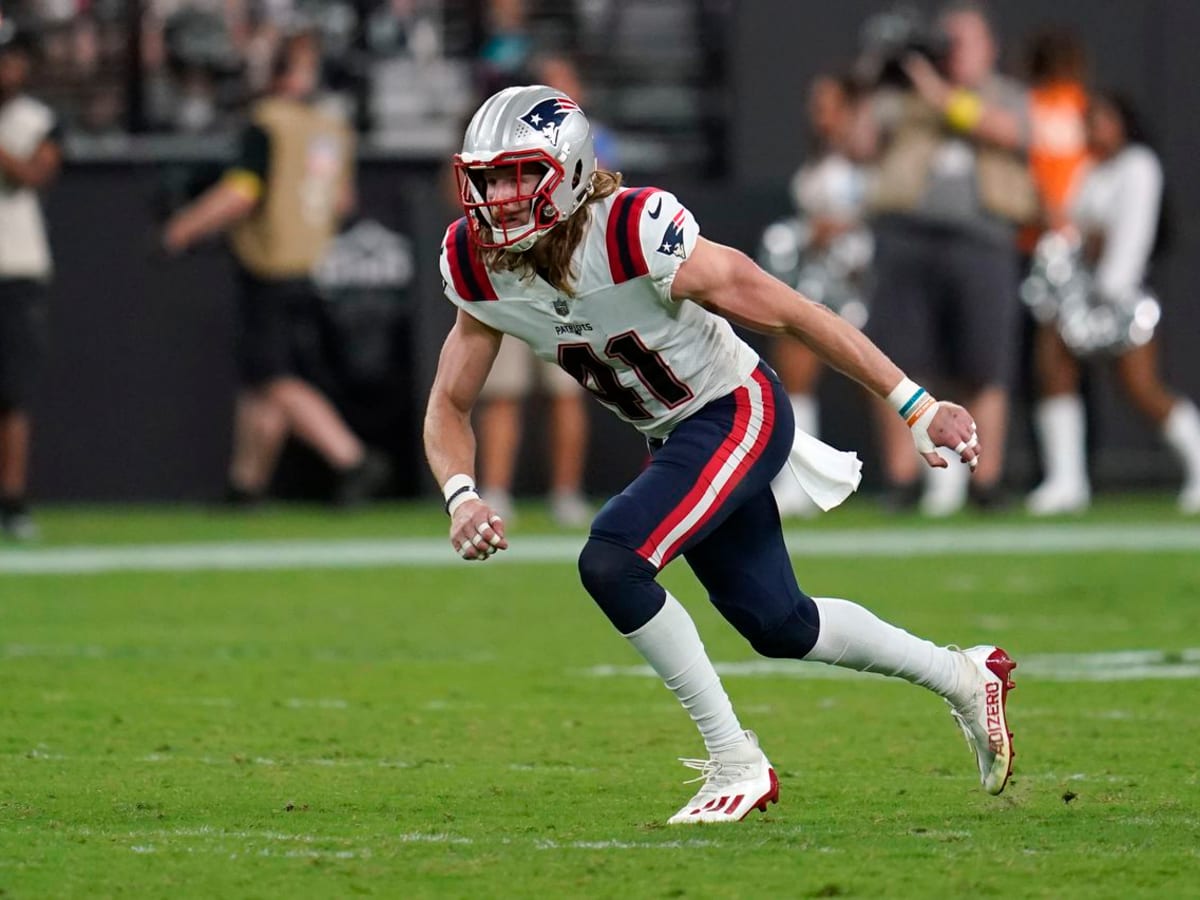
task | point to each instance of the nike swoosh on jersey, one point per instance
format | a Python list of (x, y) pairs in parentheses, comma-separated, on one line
[(657, 209)]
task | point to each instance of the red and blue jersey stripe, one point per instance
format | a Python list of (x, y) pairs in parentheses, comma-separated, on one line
[(626, 259), (467, 270)]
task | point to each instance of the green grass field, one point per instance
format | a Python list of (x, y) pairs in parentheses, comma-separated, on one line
[(454, 730)]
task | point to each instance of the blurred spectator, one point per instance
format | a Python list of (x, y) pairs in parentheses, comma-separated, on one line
[(823, 253), (29, 160), (1117, 213), (1057, 66), (403, 71), (292, 183), (83, 68), (506, 47), (202, 59), (193, 70), (558, 71), (1057, 69), (401, 26), (952, 186), (517, 371)]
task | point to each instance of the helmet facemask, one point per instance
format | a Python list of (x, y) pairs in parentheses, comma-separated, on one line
[(489, 227)]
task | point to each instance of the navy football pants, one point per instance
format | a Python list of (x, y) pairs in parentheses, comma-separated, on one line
[(706, 494)]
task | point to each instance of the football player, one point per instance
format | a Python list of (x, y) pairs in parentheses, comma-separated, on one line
[(617, 287)]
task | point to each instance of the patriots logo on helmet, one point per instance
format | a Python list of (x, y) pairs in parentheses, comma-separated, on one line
[(547, 116), (672, 242)]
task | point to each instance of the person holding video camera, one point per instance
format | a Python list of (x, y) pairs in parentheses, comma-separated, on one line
[(952, 186)]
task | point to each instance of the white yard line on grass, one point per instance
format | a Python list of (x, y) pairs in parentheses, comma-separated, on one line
[(41, 753), (1115, 665), (259, 843), (1019, 539), (622, 845), (1120, 665), (234, 844), (418, 838)]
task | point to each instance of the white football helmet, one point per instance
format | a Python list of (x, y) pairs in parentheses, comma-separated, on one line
[(529, 126)]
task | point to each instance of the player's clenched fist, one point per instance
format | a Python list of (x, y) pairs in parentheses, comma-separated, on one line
[(953, 428), (476, 532), (935, 423)]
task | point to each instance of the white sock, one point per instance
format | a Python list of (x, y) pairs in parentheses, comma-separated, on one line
[(945, 489), (856, 638), (1181, 431), (804, 410), (1062, 431), (672, 646)]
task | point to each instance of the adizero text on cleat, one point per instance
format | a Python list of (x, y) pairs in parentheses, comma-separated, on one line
[(983, 716)]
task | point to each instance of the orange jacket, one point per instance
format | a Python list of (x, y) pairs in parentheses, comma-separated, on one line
[(1058, 148)]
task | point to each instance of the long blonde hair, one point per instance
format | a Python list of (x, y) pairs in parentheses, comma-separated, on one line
[(551, 256)]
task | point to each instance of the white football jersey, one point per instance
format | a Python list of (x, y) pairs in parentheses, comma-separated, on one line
[(652, 360), (24, 251)]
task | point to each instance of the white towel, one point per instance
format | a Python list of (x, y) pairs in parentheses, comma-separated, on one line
[(827, 474)]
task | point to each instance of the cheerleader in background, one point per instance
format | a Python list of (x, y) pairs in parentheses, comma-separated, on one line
[(1116, 212)]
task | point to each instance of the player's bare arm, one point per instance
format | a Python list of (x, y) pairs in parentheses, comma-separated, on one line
[(347, 199), (727, 282), (223, 205), (35, 171), (476, 532)]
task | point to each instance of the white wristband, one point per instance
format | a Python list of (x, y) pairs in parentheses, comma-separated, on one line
[(457, 490), (910, 400), (460, 498)]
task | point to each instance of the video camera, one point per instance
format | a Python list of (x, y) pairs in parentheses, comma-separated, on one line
[(888, 37)]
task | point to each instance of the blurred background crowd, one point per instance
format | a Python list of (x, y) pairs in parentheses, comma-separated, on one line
[(405, 72), (980, 189)]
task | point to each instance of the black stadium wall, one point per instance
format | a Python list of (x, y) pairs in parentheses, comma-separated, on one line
[(135, 402)]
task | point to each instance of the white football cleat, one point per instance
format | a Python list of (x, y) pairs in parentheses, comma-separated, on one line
[(569, 509), (731, 789), (1189, 498), (1058, 498), (945, 492), (983, 717)]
